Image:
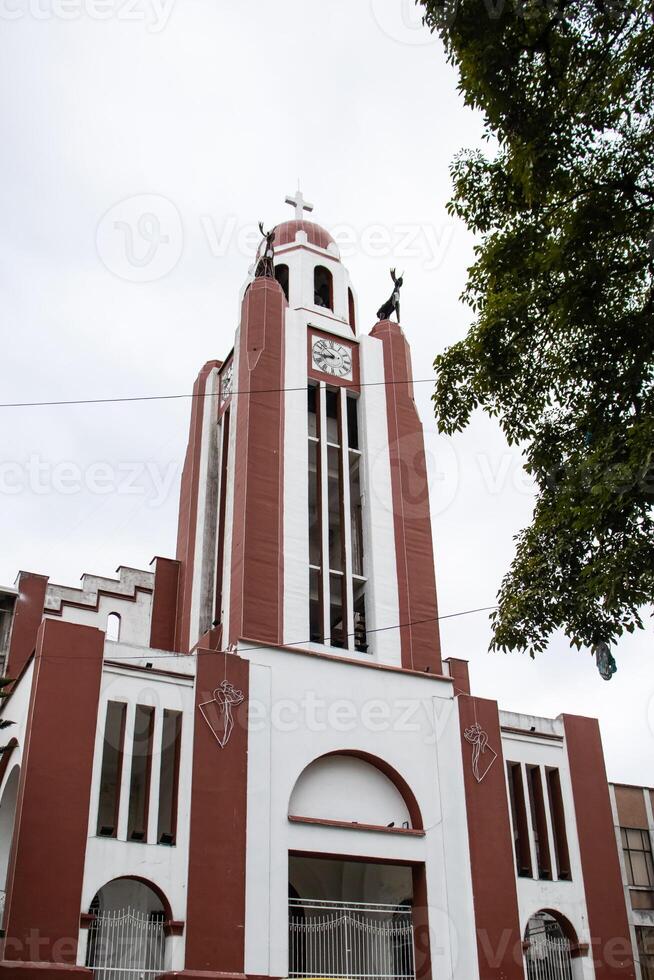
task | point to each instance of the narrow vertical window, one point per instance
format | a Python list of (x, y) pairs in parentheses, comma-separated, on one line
[(281, 275), (113, 627), (111, 769), (351, 310), (222, 506), (356, 526), (557, 814), (519, 820), (539, 823), (171, 740), (637, 857), (139, 784), (316, 631)]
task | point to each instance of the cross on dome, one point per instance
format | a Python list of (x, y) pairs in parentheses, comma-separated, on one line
[(298, 202)]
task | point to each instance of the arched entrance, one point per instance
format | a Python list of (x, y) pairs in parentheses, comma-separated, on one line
[(550, 940), (127, 938), (7, 817)]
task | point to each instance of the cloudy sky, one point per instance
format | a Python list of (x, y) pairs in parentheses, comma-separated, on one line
[(142, 142)]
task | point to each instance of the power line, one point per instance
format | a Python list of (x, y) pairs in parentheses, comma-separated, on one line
[(202, 394), (266, 646)]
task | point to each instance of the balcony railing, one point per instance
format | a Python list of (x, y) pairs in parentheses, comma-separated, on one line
[(357, 940)]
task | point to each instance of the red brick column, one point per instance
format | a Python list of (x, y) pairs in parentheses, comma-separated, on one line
[(420, 642), (164, 604), (188, 510), (215, 916), (27, 619), (257, 561), (607, 915), (44, 881), (497, 919)]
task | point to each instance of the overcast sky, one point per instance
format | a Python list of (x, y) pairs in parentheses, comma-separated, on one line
[(197, 117)]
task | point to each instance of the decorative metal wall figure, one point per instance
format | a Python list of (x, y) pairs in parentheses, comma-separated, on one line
[(218, 712), (392, 305), (479, 741), (265, 268)]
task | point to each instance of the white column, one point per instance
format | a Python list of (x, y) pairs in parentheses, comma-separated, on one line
[(155, 776), (324, 507), (128, 749), (347, 520), (530, 822)]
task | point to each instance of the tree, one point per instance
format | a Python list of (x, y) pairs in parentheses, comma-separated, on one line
[(561, 349), (4, 682)]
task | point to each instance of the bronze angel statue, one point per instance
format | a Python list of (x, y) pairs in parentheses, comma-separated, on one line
[(392, 305), (265, 268)]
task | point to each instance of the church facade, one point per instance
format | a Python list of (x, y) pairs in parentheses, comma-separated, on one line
[(252, 760)]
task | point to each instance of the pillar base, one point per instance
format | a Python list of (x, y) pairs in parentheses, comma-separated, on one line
[(26, 970)]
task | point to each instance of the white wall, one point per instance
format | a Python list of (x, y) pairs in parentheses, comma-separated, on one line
[(106, 858), (302, 707), (348, 789)]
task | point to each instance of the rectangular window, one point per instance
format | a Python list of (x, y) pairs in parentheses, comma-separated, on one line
[(222, 512), (352, 423), (139, 784), (519, 820), (360, 634), (337, 629), (356, 514), (557, 815), (112, 769), (645, 942), (637, 857), (315, 606), (335, 494), (539, 822), (171, 741)]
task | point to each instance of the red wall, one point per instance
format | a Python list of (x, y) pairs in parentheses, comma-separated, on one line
[(497, 920), (215, 917), (257, 563), (27, 619), (44, 882), (188, 510), (600, 863), (420, 642)]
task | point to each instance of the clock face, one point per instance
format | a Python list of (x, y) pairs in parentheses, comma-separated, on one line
[(226, 381), (332, 357)]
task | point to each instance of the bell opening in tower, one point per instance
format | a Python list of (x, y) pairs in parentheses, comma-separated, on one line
[(323, 287)]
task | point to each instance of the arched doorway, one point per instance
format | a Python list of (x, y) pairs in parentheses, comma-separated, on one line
[(548, 955), (127, 938), (7, 818)]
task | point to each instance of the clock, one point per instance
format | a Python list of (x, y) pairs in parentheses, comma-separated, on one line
[(226, 381), (330, 357)]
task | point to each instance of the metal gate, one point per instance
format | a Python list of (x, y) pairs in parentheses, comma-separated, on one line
[(126, 944), (350, 939), (549, 959)]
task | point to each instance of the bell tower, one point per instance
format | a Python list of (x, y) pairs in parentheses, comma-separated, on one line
[(304, 519)]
